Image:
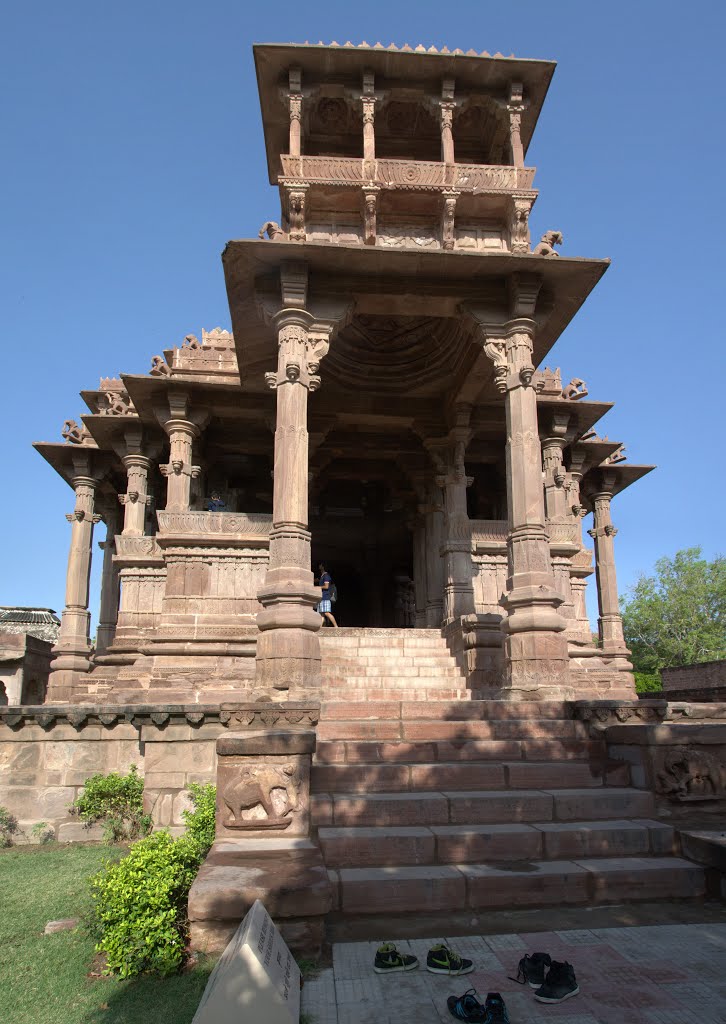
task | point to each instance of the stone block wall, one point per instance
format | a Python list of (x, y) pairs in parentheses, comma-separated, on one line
[(704, 682), (47, 753)]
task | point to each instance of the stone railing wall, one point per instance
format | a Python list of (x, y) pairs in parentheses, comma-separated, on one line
[(407, 174), (245, 528), (47, 753), (704, 682)]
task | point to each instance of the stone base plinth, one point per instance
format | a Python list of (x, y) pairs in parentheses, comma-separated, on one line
[(287, 875)]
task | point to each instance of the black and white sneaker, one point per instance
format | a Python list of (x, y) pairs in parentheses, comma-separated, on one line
[(560, 984), (389, 960), (442, 960), (532, 968)]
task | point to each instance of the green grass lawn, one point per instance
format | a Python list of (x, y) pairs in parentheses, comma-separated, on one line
[(44, 979)]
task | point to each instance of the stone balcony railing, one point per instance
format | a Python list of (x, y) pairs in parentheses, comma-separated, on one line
[(491, 534), (404, 174), (233, 529)]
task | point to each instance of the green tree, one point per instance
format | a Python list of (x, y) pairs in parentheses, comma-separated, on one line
[(678, 615)]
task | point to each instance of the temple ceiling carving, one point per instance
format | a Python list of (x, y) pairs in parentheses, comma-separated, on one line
[(412, 356)]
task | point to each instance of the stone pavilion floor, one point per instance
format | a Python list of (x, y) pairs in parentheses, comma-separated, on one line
[(654, 974)]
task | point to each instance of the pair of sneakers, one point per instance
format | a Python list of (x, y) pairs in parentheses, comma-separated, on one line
[(552, 981), (469, 1009), (440, 960)]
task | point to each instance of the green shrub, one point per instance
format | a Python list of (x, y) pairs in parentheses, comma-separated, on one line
[(140, 903), (116, 802), (9, 827), (648, 682), (200, 822), (43, 832)]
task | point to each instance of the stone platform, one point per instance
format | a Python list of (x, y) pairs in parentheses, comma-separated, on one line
[(663, 974)]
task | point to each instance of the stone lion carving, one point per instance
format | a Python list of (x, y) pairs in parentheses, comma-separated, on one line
[(159, 367), (73, 433), (273, 231), (576, 389), (252, 788), (692, 775), (546, 244)]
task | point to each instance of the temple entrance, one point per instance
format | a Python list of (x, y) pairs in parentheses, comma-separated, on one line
[(370, 558)]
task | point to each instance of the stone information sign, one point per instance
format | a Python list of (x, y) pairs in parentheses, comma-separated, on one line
[(256, 979)]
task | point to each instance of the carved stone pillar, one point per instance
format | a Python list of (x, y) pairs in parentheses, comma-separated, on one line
[(555, 477), (368, 101), (434, 561), (288, 650), (581, 633), (447, 134), (136, 499), (73, 647), (535, 647), (458, 585), (295, 101), (179, 470), (108, 611), (515, 109), (610, 623), (419, 566)]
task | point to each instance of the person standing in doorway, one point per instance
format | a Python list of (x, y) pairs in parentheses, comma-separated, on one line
[(325, 606)]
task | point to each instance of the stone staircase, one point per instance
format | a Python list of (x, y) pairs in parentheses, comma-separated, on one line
[(425, 805), (389, 664)]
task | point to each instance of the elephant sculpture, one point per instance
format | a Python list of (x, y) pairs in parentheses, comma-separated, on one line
[(254, 787)]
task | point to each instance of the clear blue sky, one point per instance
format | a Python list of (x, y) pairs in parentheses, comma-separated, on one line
[(132, 151)]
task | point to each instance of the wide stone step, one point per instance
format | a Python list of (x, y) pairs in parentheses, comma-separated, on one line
[(428, 888), (397, 689), (454, 807), (466, 775), (414, 729), (456, 844), (428, 751), (484, 710)]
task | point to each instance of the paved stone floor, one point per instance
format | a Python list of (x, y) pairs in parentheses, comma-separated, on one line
[(658, 974)]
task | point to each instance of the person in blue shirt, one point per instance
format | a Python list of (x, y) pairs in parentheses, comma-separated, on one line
[(325, 607), (215, 503)]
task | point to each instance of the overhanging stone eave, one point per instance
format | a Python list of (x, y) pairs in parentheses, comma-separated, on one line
[(429, 277), (59, 455), (108, 430), (582, 413), (623, 475), (318, 62)]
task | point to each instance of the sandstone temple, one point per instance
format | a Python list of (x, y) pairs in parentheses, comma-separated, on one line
[(385, 403)]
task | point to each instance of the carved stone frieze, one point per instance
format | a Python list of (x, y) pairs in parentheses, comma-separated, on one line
[(235, 718), (691, 775)]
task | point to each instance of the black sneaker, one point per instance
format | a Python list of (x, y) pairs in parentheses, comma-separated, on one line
[(560, 984), (531, 969), (496, 1011), (442, 960), (467, 1008), (389, 960)]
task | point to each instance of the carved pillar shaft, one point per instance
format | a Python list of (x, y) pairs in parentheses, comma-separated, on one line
[(582, 630), (447, 134), (369, 128), (419, 566), (295, 102), (536, 648), (73, 647), (458, 587), (555, 496), (434, 563), (515, 134), (603, 532), (136, 498), (179, 470), (288, 650), (108, 610)]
